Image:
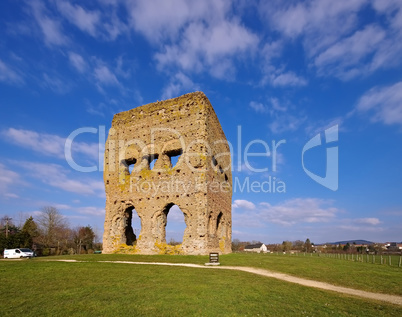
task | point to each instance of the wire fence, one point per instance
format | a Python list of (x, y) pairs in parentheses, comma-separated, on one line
[(391, 260)]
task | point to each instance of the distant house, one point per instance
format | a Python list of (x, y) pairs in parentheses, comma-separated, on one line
[(393, 246), (258, 248)]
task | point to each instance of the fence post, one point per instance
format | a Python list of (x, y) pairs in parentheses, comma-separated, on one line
[(389, 260), (400, 261)]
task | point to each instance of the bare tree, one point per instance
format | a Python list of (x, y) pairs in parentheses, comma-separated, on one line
[(52, 226), (6, 222)]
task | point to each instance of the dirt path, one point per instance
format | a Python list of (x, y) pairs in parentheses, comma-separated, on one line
[(394, 299)]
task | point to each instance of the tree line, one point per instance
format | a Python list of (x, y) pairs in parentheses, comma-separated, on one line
[(285, 246), (47, 234)]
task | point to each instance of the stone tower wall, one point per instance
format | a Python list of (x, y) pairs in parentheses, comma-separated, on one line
[(200, 184)]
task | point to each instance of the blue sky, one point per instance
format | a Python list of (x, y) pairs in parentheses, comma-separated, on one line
[(273, 70)]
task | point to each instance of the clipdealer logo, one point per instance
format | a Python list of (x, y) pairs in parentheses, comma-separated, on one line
[(240, 184), (330, 180)]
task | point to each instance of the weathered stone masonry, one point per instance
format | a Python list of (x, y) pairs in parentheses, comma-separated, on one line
[(200, 183)]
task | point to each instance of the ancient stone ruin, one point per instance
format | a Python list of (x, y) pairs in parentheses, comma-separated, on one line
[(167, 153)]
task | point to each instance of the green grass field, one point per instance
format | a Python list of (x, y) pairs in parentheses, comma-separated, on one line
[(40, 288), (364, 276)]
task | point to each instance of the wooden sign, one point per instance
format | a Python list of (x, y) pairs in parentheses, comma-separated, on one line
[(214, 257)]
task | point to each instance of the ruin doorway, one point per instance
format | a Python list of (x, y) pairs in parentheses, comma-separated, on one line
[(132, 227), (175, 224)]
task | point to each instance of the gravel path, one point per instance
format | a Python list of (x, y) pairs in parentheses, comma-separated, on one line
[(394, 299)]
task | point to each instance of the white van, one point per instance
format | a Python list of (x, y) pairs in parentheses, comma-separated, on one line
[(18, 253)]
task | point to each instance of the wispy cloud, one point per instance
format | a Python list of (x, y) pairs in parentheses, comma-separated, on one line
[(8, 75), (222, 43), (345, 47), (77, 61), (317, 126), (86, 20), (105, 76), (90, 210), (287, 213), (194, 36), (258, 107), (8, 178), (287, 79), (284, 117), (383, 103), (307, 18), (368, 221), (243, 204), (50, 27), (286, 122), (55, 83), (57, 176), (49, 144), (178, 84), (160, 20), (346, 58)]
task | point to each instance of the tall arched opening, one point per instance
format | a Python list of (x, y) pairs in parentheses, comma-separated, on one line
[(175, 224), (132, 225)]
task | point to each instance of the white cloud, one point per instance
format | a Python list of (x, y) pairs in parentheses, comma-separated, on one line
[(90, 210), (179, 83), (307, 19), (243, 204), (86, 21), (368, 221), (299, 210), (383, 103), (163, 19), (193, 35), (347, 46), (105, 76), (258, 107), (282, 119), (57, 176), (286, 122), (9, 75), (274, 107), (353, 48), (8, 178), (392, 9), (317, 126), (273, 74), (287, 213), (209, 47), (77, 62), (114, 27), (287, 79), (10, 195), (55, 83), (359, 228), (49, 144), (346, 58), (51, 28)]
